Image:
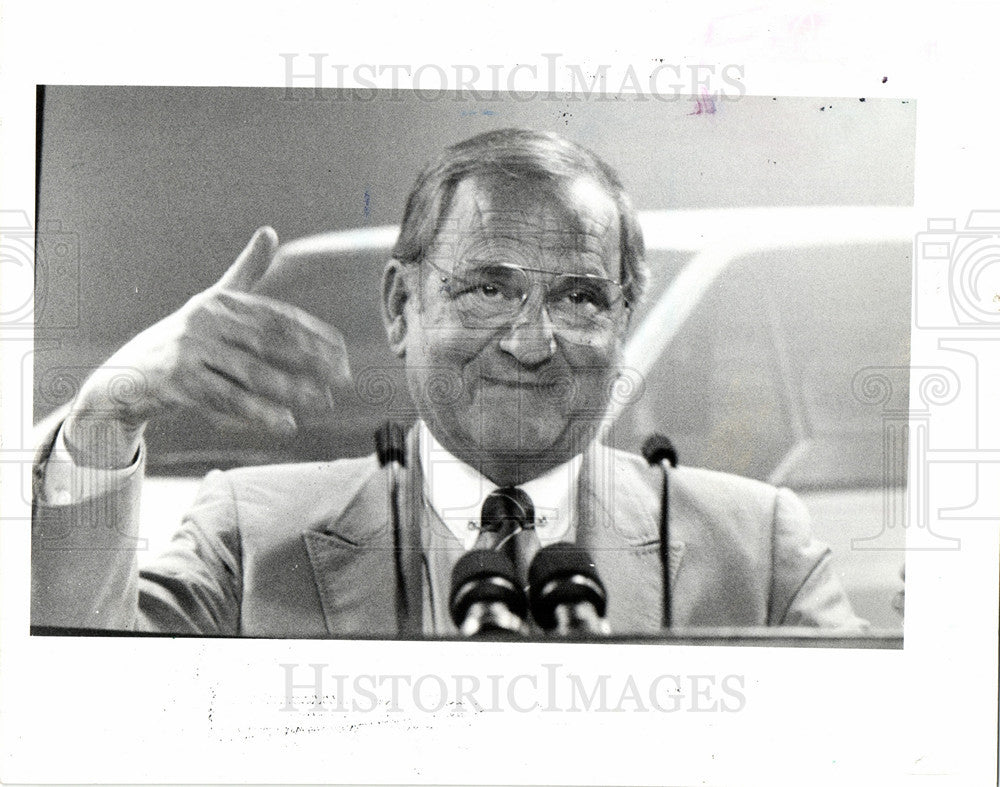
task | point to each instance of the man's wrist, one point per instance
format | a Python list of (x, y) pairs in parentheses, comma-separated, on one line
[(104, 443), (66, 482)]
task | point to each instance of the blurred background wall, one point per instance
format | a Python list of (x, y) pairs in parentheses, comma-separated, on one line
[(156, 190)]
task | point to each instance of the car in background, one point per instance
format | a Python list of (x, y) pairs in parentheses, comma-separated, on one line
[(756, 352), (776, 346)]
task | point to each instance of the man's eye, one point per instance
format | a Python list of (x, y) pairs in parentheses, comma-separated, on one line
[(494, 283), (583, 296), (579, 297)]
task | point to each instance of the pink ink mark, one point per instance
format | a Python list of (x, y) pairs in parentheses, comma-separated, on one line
[(705, 104)]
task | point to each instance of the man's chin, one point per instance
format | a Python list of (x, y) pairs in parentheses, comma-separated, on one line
[(511, 442)]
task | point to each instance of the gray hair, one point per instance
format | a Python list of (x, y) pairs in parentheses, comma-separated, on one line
[(517, 153)]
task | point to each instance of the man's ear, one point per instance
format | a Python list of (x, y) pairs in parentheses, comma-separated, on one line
[(395, 294)]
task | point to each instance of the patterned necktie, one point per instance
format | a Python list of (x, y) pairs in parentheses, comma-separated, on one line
[(507, 522)]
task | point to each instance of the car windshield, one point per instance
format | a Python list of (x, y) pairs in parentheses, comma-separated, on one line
[(787, 368)]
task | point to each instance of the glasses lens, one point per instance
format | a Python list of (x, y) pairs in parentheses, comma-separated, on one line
[(582, 301), (487, 294)]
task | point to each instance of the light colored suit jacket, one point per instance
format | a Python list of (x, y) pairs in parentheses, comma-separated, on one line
[(309, 550)]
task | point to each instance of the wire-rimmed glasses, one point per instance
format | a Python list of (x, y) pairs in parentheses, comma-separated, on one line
[(494, 294)]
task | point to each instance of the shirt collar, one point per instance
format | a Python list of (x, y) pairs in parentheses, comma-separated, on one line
[(456, 492)]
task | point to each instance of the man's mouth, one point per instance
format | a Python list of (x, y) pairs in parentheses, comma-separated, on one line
[(544, 391), (539, 384)]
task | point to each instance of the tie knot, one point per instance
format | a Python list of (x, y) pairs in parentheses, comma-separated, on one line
[(507, 509), (507, 523)]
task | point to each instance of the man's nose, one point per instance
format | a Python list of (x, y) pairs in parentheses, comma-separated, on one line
[(531, 338)]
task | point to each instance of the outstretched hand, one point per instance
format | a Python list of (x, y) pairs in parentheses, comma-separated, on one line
[(238, 358)]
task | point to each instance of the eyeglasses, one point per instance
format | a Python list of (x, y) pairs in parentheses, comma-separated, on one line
[(492, 295)]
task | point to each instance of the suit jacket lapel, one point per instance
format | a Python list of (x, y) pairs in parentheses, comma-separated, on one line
[(350, 580), (368, 574), (370, 580), (619, 510)]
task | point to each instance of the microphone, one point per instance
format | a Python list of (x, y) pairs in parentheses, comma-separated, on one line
[(486, 594), (567, 595), (658, 450), (486, 597), (390, 448), (390, 445)]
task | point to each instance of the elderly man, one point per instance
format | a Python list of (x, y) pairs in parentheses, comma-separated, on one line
[(511, 286)]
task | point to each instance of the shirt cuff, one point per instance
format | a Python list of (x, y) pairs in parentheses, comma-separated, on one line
[(67, 483)]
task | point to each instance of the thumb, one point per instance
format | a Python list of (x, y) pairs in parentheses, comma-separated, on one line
[(252, 263)]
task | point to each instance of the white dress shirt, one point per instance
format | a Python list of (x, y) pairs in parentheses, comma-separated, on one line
[(65, 482), (456, 492)]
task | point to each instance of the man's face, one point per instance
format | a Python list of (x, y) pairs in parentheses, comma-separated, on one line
[(519, 393)]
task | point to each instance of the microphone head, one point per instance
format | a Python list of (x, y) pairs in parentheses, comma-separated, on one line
[(658, 447), (563, 574), (509, 505), (485, 575), (390, 444)]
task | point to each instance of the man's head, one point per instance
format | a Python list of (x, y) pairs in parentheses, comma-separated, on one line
[(511, 287)]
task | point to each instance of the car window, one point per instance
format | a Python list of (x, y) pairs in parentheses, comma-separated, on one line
[(762, 378)]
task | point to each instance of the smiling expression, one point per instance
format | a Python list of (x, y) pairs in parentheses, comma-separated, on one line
[(516, 399)]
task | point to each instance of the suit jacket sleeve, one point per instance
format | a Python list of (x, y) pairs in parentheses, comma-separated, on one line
[(84, 568), (805, 589)]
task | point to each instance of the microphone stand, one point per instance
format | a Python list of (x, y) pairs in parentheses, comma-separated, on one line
[(658, 450)]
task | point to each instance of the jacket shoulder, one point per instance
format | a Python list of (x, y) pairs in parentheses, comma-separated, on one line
[(725, 512), (715, 488), (698, 485), (293, 496)]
